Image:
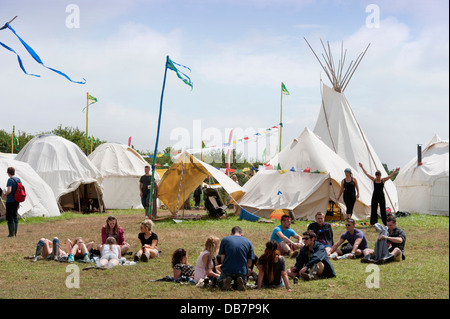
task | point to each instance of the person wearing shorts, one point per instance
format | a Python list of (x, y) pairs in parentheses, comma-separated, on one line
[(111, 254), (281, 235), (357, 243)]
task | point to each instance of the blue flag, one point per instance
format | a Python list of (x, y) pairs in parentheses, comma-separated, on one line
[(35, 57)]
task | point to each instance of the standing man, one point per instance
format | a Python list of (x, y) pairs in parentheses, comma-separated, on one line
[(323, 231), (357, 243), (144, 188), (281, 235), (312, 262), (12, 206), (236, 253)]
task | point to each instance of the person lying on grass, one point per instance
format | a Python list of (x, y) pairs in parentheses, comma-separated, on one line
[(46, 249), (78, 249)]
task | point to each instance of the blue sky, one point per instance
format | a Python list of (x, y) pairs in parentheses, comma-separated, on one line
[(239, 52)]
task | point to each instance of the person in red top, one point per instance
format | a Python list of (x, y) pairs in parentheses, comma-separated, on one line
[(112, 229)]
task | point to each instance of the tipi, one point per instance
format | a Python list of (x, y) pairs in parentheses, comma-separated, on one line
[(292, 187), (121, 168), (422, 183), (338, 127), (75, 181)]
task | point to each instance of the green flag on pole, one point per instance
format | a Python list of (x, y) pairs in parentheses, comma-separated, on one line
[(284, 90), (91, 98), (171, 65)]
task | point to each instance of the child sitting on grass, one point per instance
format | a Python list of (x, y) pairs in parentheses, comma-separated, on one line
[(180, 265)]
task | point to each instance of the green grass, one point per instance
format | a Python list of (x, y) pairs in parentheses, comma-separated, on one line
[(423, 275)]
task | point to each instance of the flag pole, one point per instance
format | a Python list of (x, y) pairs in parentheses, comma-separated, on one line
[(157, 140), (281, 115), (87, 111), (12, 140)]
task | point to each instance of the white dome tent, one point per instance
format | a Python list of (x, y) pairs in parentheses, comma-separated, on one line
[(424, 187), (75, 181), (40, 200), (121, 168)]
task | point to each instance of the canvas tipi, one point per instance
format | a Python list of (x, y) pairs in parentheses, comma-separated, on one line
[(121, 168), (305, 193), (40, 200), (339, 129), (75, 181), (423, 183)]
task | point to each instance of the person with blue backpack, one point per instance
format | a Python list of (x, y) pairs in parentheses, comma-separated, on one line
[(12, 206)]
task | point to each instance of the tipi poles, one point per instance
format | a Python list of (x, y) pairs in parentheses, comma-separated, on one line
[(157, 139), (281, 116), (338, 79), (87, 117)]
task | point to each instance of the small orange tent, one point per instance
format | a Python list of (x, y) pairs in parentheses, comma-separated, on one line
[(276, 214)]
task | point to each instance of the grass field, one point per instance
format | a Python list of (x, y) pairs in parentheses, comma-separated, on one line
[(423, 275)]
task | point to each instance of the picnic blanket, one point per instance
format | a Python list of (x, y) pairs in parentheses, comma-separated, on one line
[(168, 278)]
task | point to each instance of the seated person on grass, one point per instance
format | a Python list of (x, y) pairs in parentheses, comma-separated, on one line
[(281, 235), (78, 249), (312, 262), (206, 267), (237, 256), (180, 265), (357, 243), (394, 246), (272, 268), (323, 231), (149, 242), (111, 254)]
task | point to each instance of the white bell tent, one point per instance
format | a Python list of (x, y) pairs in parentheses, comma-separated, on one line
[(306, 193), (121, 168), (424, 187)]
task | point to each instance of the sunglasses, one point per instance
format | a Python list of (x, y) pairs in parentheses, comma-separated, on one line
[(348, 225), (305, 238)]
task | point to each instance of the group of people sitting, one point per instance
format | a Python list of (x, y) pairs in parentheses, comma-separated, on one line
[(109, 252), (229, 263)]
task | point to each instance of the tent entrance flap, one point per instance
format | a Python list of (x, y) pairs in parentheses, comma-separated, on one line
[(84, 199)]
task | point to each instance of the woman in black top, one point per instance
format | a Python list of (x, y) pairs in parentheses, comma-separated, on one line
[(149, 242), (378, 195), (350, 188)]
